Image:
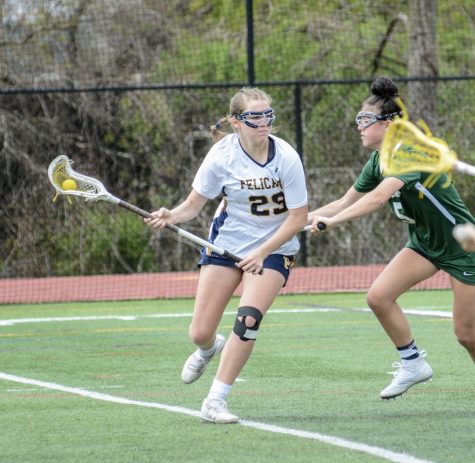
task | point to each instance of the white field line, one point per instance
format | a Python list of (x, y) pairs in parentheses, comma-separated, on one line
[(422, 313), (15, 321), (331, 440)]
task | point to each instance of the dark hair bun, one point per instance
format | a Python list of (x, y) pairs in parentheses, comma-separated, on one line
[(384, 87)]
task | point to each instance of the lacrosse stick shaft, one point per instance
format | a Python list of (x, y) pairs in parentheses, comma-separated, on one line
[(320, 225), (133, 208), (464, 168), (92, 189), (180, 231)]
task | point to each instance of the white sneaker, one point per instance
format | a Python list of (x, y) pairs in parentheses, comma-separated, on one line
[(216, 411), (196, 364), (407, 373)]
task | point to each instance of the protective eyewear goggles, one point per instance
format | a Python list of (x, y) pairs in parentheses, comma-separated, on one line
[(256, 119), (366, 118)]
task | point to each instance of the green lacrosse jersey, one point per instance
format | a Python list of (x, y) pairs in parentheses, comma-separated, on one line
[(431, 213)]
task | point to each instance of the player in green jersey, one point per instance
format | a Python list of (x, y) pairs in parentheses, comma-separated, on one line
[(431, 215)]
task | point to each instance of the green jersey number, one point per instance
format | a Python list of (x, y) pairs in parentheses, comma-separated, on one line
[(398, 209)]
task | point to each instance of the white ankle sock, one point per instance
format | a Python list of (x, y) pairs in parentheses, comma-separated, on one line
[(207, 353), (219, 390)]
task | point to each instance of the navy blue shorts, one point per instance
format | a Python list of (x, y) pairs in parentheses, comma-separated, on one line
[(278, 262)]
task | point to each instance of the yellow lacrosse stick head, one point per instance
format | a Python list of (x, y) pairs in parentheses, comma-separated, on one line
[(406, 148)]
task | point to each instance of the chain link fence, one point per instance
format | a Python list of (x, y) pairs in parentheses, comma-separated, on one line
[(129, 89)]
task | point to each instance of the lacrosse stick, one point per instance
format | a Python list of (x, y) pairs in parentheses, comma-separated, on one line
[(68, 182), (320, 225), (407, 148)]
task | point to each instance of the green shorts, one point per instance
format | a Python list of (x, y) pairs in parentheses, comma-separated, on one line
[(461, 268)]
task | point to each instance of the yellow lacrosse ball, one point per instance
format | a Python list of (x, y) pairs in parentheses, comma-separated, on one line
[(69, 184)]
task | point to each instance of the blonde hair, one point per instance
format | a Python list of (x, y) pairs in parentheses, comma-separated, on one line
[(237, 105)]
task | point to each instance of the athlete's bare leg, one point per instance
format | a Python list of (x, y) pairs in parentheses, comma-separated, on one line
[(464, 315), (404, 271), (237, 352)]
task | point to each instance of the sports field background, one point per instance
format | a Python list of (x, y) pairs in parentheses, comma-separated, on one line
[(101, 382), (127, 88), (184, 284)]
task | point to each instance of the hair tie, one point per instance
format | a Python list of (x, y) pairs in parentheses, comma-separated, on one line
[(217, 125)]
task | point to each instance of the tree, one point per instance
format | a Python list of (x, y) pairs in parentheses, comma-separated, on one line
[(422, 60)]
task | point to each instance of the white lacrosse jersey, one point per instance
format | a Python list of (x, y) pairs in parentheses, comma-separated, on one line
[(255, 197)]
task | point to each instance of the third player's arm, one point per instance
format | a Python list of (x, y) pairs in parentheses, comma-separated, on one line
[(330, 209), (369, 202)]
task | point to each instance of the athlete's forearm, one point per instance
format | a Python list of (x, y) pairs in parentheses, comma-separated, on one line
[(365, 203), (364, 206), (292, 225), (329, 210), (189, 208), (333, 208)]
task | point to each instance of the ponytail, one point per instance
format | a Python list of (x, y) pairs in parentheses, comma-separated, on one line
[(216, 130)]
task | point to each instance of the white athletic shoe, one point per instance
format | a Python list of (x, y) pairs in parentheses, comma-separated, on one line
[(407, 373), (216, 411), (195, 365)]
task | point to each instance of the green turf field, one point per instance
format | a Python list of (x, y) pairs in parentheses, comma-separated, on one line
[(97, 382)]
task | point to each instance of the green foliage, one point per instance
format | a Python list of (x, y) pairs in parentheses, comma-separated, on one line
[(143, 116), (146, 145), (455, 37), (108, 243)]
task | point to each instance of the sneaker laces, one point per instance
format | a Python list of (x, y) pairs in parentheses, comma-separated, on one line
[(399, 366), (218, 405), (197, 362)]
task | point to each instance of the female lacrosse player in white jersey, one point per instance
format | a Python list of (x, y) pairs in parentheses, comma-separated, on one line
[(261, 181), (431, 219)]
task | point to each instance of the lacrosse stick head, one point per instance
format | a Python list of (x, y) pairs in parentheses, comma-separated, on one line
[(406, 148), (89, 188)]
